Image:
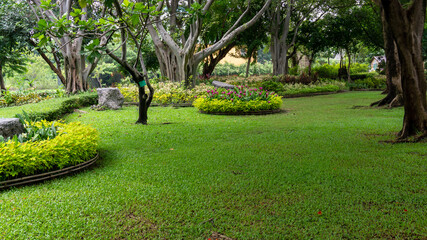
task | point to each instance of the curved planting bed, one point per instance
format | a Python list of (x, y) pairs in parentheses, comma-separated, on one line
[(46, 150), (240, 101)]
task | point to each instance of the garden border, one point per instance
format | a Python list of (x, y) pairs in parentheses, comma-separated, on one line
[(48, 175), (261, 112)]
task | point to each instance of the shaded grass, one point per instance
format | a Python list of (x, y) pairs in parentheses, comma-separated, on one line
[(246, 177)]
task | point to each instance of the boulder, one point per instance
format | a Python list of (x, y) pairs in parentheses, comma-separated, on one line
[(10, 127), (110, 97), (223, 85)]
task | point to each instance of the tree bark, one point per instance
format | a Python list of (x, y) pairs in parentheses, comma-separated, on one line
[(394, 96), (2, 85), (183, 54), (76, 70), (213, 59), (407, 27)]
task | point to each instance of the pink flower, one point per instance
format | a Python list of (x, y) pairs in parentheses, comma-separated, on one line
[(231, 99), (260, 88), (260, 93), (268, 101)]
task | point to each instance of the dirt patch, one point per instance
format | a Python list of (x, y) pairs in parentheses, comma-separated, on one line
[(218, 236), (135, 225)]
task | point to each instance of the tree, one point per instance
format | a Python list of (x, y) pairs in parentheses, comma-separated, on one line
[(65, 46), (14, 33), (406, 26), (394, 95), (217, 22), (176, 50), (281, 13)]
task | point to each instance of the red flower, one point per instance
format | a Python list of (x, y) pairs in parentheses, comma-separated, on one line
[(405, 210), (319, 212)]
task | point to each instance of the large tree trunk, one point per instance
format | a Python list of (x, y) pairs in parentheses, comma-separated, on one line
[(394, 96), (407, 27), (2, 85), (349, 65), (279, 33), (212, 60)]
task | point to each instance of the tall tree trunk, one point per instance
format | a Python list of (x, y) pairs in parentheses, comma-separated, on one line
[(248, 65), (407, 27), (349, 64), (213, 59), (394, 96), (2, 85), (310, 63)]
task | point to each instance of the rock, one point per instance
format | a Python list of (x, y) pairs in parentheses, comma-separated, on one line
[(10, 127), (110, 97), (222, 85)]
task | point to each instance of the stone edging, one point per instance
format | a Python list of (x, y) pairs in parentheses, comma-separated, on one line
[(48, 175)]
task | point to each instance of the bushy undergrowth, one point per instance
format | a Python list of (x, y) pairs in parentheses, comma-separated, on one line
[(66, 107), (227, 69), (331, 71), (9, 98), (371, 82), (299, 88), (238, 100), (166, 93), (74, 143)]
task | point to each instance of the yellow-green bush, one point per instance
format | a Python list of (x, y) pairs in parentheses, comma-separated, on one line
[(166, 93), (233, 106), (76, 143)]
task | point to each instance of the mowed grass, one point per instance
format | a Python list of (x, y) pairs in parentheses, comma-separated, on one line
[(318, 171)]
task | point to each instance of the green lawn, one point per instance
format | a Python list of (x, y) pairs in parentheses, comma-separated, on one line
[(319, 171)]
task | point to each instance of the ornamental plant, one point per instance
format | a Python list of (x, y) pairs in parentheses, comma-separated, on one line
[(241, 99), (75, 143)]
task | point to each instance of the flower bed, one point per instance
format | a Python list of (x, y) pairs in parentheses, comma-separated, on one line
[(166, 93), (71, 144), (238, 101), (9, 98)]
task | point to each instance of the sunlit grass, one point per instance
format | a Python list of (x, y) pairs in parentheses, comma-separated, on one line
[(317, 171)]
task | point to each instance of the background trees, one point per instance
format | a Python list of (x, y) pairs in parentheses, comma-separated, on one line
[(15, 29)]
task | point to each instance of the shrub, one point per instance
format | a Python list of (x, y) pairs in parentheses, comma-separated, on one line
[(23, 97), (289, 79), (238, 100), (74, 143), (166, 93), (67, 106), (272, 86), (297, 89), (378, 82), (327, 71)]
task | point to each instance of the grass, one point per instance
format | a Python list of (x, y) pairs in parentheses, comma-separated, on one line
[(318, 171), (43, 106)]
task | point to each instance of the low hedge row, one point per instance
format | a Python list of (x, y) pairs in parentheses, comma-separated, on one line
[(229, 106), (66, 107), (74, 144)]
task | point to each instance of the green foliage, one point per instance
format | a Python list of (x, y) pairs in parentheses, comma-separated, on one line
[(227, 69), (66, 107), (370, 82), (238, 100), (331, 71), (38, 73), (271, 85), (74, 143), (166, 93), (24, 97)]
